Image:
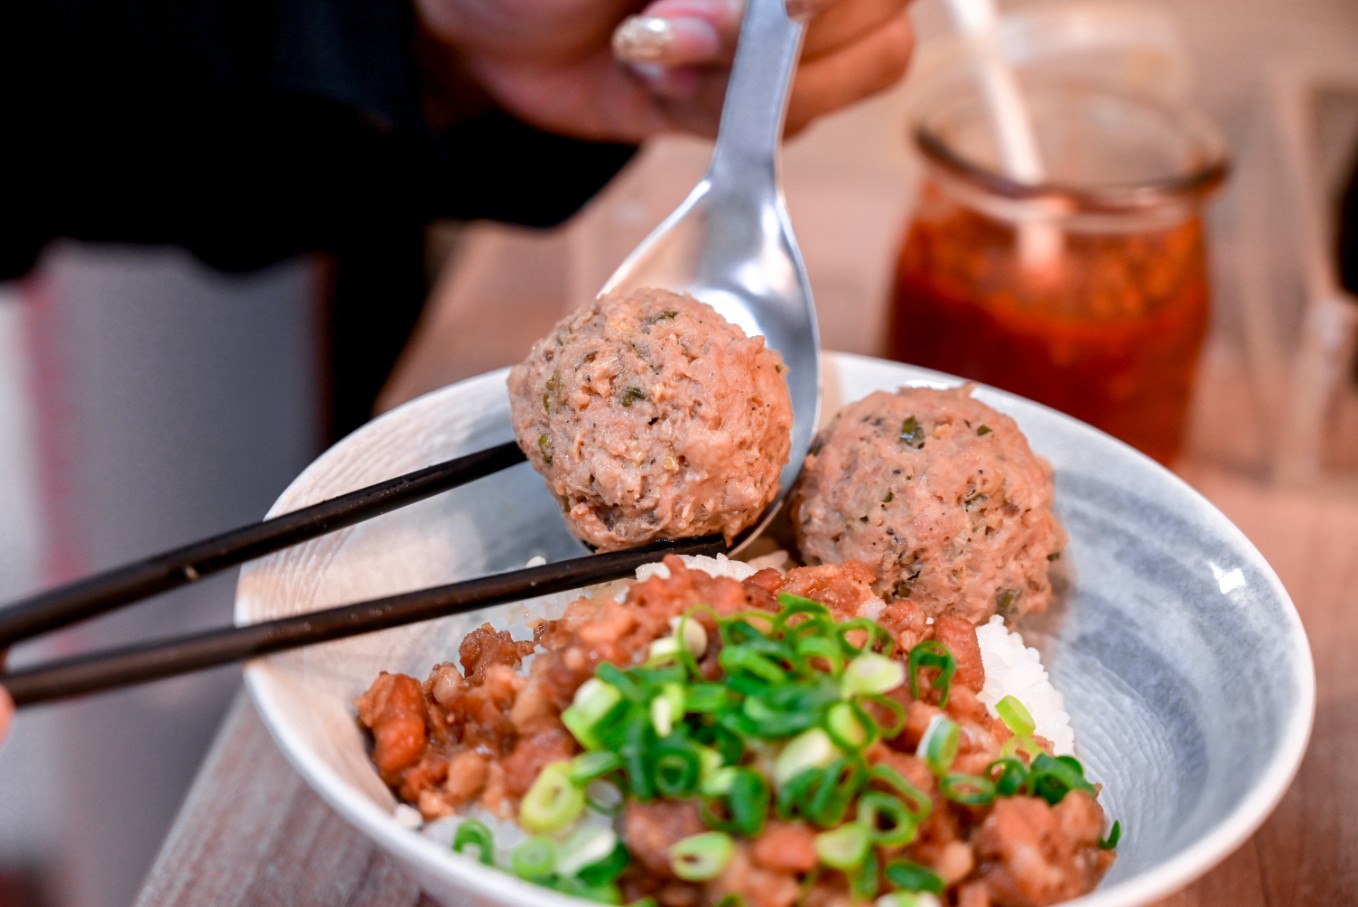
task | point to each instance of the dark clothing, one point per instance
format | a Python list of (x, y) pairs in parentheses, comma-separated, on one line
[(1346, 251), (249, 131)]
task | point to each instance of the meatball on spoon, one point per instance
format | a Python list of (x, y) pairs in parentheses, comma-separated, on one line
[(731, 243)]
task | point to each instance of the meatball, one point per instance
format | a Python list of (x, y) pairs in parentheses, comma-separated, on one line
[(941, 494), (653, 417)]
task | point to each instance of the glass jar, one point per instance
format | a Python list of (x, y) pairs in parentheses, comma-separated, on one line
[(1086, 290)]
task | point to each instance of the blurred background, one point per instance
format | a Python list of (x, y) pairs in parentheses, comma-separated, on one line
[(146, 400)]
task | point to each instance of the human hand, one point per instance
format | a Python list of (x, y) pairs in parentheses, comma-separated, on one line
[(559, 65)]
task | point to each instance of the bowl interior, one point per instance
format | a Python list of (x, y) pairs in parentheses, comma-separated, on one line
[(1182, 661)]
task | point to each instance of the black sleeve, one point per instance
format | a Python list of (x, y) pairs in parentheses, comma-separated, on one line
[(1346, 232), (251, 130)]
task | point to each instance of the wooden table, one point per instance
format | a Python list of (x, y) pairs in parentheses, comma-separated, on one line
[(252, 833)]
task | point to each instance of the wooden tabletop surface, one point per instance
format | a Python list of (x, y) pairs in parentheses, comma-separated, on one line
[(252, 833)]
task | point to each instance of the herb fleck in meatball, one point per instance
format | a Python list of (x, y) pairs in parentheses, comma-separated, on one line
[(941, 494), (653, 417)]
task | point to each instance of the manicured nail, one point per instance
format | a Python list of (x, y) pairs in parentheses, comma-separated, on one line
[(668, 42)]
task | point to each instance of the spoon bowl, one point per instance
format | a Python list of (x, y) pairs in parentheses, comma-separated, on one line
[(730, 243)]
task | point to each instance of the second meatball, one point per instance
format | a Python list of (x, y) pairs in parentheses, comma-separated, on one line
[(938, 492)]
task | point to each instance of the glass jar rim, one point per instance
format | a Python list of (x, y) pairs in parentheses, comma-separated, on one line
[(1208, 169)]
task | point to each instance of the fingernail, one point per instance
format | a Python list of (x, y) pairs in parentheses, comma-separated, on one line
[(670, 42), (804, 10)]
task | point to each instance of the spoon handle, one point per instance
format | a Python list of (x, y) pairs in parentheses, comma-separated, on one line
[(756, 98)]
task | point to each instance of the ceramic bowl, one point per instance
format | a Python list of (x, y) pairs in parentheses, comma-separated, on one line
[(1183, 662)]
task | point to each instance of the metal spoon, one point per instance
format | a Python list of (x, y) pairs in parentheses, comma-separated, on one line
[(730, 244)]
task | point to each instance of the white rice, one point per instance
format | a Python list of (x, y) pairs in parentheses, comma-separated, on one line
[(720, 565), (1013, 669)]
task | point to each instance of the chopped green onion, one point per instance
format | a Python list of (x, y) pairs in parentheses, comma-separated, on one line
[(675, 769), (810, 749), (932, 654), (813, 614), (849, 726), (720, 781), (939, 744), (700, 857), (553, 802), (796, 791), (475, 833), (576, 887), (916, 799), (593, 703), (534, 858), (709, 762), (1016, 716), (782, 711), (1025, 746), (738, 630), (666, 708), (629, 686), (827, 799), (888, 820), (912, 876), (587, 767), (791, 603), (874, 636), (1114, 835), (663, 651), (587, 846), (705, 698), (742, 807), (818, 647), (604, 797), (693, 635), (872, 673), (896, 723), (739, 659), (729, 745), (602, 872), (863, 882), (638, 737), (969, 790), (821, 795), (1052, 777), (843, 848), (1012, 777)]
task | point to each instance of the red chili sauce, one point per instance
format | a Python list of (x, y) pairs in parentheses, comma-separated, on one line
[(1108, 331)]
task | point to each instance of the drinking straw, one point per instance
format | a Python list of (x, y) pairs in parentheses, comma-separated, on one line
[(1039, 243)]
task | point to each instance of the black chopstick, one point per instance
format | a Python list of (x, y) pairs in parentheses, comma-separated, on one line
[(150, 661), (105, 591)]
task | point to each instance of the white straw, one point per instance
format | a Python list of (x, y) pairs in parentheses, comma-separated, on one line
[(1039, 243)]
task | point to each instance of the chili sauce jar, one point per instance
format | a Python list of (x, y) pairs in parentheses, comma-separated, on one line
[(1086, 289)]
